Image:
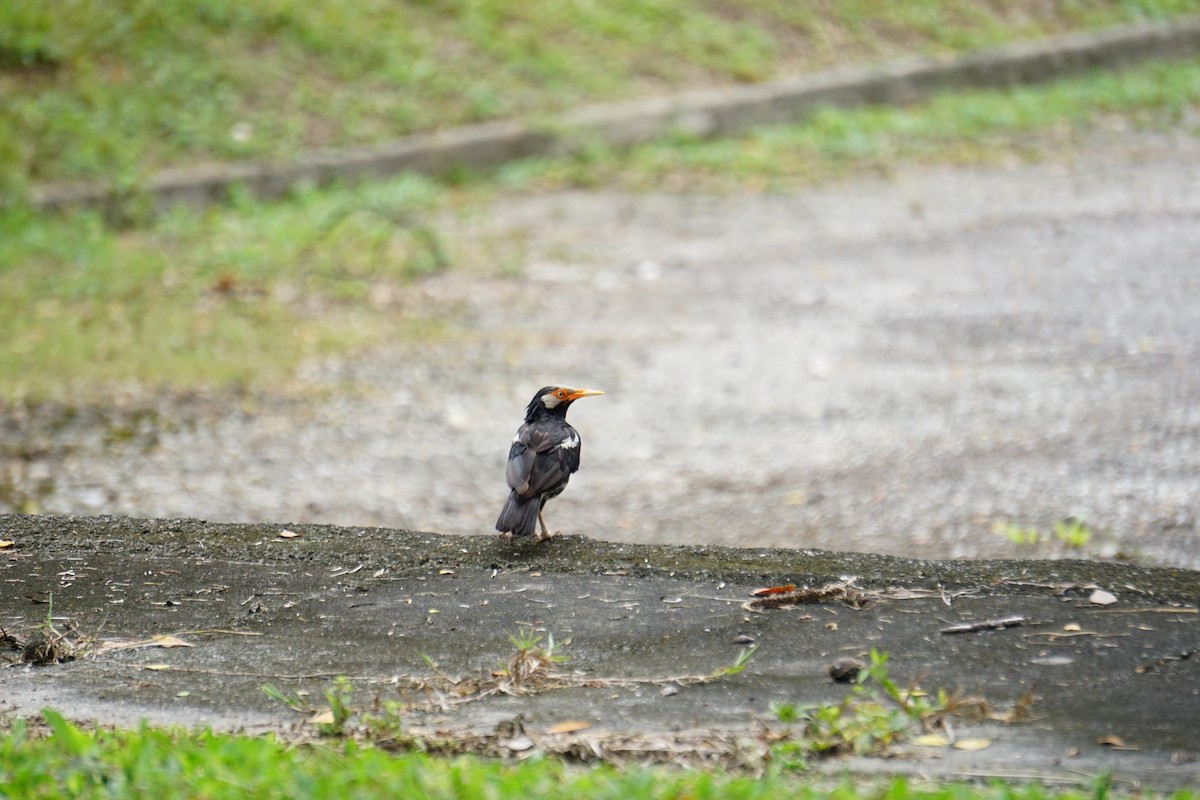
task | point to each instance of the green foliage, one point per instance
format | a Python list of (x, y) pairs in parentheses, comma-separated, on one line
[(112, 90), (1022, 537), (233, 296), (875, 714), (1071, 532)]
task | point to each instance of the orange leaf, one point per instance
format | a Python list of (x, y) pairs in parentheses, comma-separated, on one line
[(770, 590), (569, 726)]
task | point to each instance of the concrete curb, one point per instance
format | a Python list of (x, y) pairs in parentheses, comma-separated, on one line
[(706, 113)]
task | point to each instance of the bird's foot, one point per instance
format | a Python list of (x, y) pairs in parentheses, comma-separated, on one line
[(545, 536), (505, 535)]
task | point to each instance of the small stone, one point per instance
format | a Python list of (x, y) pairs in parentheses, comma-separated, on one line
[(845, 670)]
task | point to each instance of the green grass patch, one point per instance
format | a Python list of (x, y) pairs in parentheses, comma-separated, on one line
[(111, 90), (237, 296), (952, 128), (67, 761)]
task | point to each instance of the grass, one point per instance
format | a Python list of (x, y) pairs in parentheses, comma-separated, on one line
[(233, 298), (952, 128), (111, 90), (72, 762), (236, 297)]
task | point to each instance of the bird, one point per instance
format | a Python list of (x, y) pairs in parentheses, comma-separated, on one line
[(543, 456)]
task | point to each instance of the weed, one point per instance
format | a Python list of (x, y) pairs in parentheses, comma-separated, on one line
[(290, 699), (47, 644), (339, 695), (1022, 537), (1072, 532), (532, 664), (873, 716)]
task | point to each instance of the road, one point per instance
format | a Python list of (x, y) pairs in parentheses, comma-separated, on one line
[(929, 364)]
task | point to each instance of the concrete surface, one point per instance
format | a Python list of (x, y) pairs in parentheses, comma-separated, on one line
[(643, 623)]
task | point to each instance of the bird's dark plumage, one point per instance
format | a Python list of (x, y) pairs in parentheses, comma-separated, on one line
[(543, 456)]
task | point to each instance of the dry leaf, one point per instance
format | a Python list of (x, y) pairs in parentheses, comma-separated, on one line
[(1113, 741), (322, 717), (288, 534), (168, 640), (1102, 598), (569, 726), (445, 572), (931, 740), (770, 590), (1072, 627), (972, 744), (5, 543), (156, 666)]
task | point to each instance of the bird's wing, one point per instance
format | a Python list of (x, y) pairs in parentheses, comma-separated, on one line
[(541, 458)]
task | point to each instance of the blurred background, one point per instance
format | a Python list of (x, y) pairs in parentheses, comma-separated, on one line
[(966, 327)]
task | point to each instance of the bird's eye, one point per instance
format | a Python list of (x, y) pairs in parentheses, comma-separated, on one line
[(561, 394)]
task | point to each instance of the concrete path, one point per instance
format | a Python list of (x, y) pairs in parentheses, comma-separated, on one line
[(1114, 682)]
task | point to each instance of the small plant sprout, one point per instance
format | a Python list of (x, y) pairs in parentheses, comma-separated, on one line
[(531, 663), (1022, 537), (874, 715), (339, 696), (1072, 532)]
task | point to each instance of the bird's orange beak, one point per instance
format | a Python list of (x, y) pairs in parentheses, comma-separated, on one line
[(575, 394)]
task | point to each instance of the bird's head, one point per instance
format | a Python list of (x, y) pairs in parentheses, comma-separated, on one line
[(555, 400)]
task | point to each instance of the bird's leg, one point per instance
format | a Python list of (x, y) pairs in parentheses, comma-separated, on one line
[(545, 534)]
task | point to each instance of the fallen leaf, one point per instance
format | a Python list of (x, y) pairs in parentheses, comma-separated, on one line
[(445, 572), (1102, 598), (184, 693), (5, 543), (168, 640), (1111, 741), (931, 740), (156, 667), (1073, 627), (770, 590), (972, 744), (288, 534), (322, 717), (569, 726), (831, 626)]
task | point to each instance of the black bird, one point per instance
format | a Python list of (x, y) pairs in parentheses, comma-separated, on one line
[(543, 455)]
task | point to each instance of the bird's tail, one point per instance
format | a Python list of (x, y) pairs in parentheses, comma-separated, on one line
[(518, 518)]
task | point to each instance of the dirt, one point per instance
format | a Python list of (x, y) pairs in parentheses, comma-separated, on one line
[(930, 365)]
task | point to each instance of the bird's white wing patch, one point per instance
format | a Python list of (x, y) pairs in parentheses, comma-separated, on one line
[(570, 443)]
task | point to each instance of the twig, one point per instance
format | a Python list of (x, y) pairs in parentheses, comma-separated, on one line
[(998, 624)]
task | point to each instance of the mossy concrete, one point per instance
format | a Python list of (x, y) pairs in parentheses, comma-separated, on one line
[(643, 625)]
